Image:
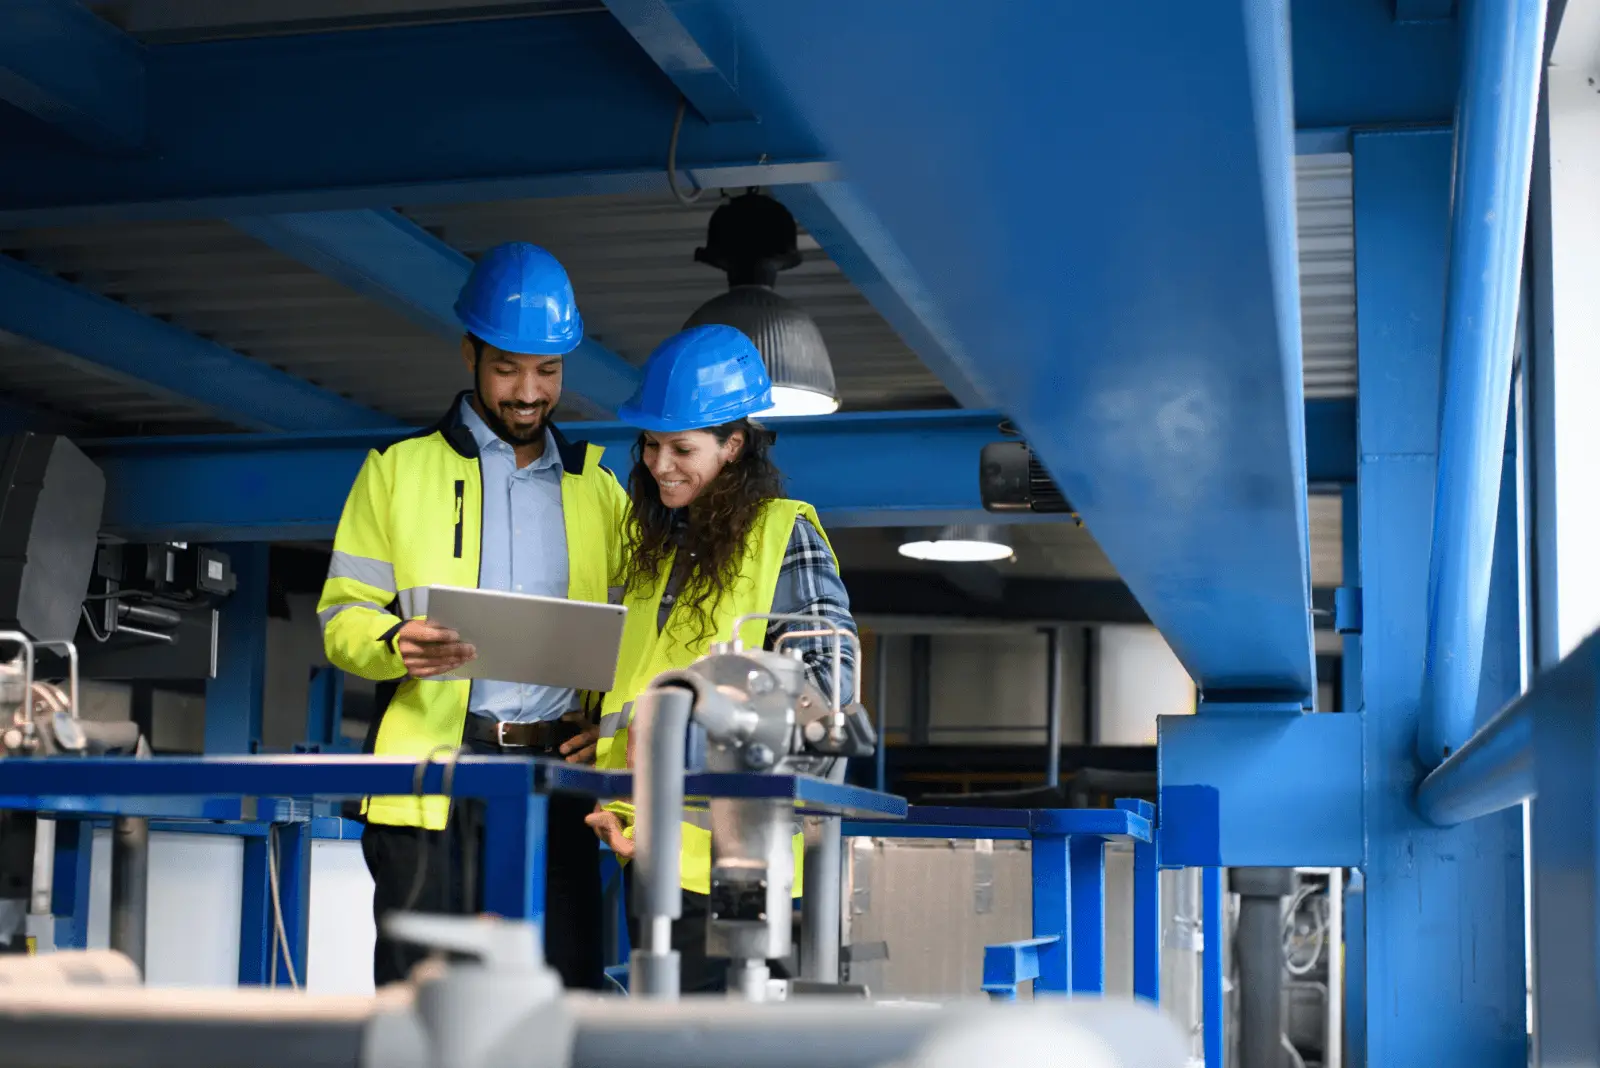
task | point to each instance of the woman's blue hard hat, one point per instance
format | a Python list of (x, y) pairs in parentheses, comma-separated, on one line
[(703, 377), (519, 299)]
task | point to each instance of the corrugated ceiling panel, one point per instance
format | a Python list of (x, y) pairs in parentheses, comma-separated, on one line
[(1327, 274)]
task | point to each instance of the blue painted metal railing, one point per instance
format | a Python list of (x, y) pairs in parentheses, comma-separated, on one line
[(205, 795), (1067, 951)]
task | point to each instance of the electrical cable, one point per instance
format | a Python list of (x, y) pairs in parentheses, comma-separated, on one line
[(281, 935), (447, 788), (1293, 941), (672, 159)]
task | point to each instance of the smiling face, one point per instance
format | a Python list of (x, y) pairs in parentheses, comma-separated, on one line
[(515, 393), (684, 463)]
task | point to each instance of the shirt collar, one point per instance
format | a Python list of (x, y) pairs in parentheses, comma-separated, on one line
[(488, 440)]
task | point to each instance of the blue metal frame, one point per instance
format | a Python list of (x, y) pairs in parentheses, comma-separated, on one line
[(112, 337), (385, 256), (67, 67), (234, 694), (1067, 952), (858, 469), (695, 47), (328, 121)]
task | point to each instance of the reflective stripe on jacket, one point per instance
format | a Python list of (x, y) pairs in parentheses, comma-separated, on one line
[(413, 520), (647, 652)]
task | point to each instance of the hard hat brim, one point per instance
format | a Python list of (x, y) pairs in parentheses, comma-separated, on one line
[(554, 346)]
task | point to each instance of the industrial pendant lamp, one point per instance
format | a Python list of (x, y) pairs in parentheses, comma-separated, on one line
[(958, 544), (750, 239)]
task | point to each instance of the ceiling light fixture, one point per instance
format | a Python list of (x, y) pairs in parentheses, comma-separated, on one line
[(750, 239), (958, 544)]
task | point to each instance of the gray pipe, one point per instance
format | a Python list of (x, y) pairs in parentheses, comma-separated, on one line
[(661, 723), (137, 1027), (819, 900), (1261, 965), (130, 886), (1052, 704)]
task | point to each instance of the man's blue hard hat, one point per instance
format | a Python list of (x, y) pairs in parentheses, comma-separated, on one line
[(518, 298), (702, 377)]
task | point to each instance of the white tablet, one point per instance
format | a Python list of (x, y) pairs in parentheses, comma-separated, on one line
[(524, 638)]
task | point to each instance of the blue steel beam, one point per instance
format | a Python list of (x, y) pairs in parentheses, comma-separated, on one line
[(1423, 10), (856, 242), (385, 256), (1504, 52), (555, 106), (64, 65), (694, 47), (155, 354), (1143, 334), (860, 469)]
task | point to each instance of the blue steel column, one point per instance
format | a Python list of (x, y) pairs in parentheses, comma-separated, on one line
[(1052, 912), (233, 696), (1212, 1008), (514, 857), (1088, 858), (1444, 963), (1503, 59), (294, 890), (69, 901), (256, 945)]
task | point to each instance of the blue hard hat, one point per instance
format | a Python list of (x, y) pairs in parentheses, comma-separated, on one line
[(518, 298), (702, 377)]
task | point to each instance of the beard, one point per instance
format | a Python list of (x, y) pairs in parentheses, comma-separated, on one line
[(498, 420)]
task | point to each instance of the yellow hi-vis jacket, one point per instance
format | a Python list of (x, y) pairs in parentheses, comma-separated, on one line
[(414, 519), (647, 652)]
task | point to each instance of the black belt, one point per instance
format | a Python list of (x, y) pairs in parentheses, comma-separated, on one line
[(540, 737)]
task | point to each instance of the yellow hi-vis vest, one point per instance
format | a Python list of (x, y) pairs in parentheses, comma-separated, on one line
[(647, 652), (413, 520)]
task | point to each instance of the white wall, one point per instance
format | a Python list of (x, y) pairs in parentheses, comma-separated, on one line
[(1137, 679)]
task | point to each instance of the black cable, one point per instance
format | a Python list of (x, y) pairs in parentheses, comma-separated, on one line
[(447, 788)]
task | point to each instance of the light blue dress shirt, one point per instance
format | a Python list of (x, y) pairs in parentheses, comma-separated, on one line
[(524, 551)]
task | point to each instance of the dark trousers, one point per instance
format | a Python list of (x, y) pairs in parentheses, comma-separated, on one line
[(434, 865), (697, 972)]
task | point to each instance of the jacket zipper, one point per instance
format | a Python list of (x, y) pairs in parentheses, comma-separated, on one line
[(461, 513)]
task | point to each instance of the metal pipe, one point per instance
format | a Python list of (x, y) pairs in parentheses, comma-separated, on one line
[(880, 698), (1333, 1047), (1492, 771), (1052, 705), (661, 725), (822, 888), (1259, 943), (44, 867), (1502, 61), (130, 886)]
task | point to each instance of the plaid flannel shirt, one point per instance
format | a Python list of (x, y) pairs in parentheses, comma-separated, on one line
[(809, 584)]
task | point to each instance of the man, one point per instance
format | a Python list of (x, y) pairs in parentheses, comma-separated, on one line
[(494, 497)]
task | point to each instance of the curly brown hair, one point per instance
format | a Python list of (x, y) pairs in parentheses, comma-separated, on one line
[(713, 537)]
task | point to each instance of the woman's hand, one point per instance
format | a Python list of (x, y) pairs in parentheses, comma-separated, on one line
[(608, 828)]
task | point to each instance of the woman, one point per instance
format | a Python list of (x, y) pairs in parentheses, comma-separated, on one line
[(710, 538)]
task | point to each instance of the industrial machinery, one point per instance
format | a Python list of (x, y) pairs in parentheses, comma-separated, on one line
[(751, 710), (39, 718)]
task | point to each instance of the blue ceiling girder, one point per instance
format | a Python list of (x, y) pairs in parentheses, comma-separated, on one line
[(856, 242), (859, 469), (157, 355), (64, 65), (695, 47), (471, 111), (385, 256), (1424, 10), (1122, 278)]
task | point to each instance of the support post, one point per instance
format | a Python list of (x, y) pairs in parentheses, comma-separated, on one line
[(1418, 878), (130, 886), (1146, 922), (1052, 702), (1052, 913), (69, 890), (820, 900), (1503, 60), (514, 869), (1212, 1008), (256, 945), (293, 851), (880, 691), (325, 708), (234, 693), (1088, 914)]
